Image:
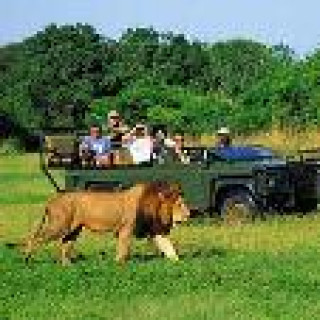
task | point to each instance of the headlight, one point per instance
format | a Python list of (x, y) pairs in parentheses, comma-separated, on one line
[(271, 182)]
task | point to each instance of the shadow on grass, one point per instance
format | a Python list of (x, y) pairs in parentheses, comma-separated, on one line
[(11, 245), (204, 253), (195, 254), (135, 257), (13, 255)]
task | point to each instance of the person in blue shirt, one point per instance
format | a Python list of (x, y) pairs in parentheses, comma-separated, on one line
[(97, 147), (224, 138)]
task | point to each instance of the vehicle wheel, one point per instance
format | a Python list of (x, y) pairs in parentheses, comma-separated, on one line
[(238, 207)]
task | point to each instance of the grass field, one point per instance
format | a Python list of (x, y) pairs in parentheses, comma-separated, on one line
[(269, 270)]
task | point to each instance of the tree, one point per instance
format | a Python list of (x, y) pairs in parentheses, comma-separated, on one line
[(158, 77), (238, 64), (61, 66)]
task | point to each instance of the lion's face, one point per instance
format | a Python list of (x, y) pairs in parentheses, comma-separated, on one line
[(180, 211)]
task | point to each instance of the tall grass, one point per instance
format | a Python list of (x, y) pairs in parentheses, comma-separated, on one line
[(10, 146)]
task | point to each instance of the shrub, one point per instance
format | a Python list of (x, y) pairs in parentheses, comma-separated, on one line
[(10, 146)]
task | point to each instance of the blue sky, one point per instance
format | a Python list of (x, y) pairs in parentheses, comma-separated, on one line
[(294, 22)]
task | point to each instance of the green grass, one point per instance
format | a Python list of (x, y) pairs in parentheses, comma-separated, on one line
[(268, 270)]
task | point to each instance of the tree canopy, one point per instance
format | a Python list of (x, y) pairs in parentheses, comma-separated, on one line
[(159, 77)]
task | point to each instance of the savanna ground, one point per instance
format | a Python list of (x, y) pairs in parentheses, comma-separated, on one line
[(269, 270)]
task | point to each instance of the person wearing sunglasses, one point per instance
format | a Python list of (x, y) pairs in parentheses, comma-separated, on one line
[(139, 143), (117, 127)]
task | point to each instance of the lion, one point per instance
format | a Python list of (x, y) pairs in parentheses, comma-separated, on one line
[(146, 210)]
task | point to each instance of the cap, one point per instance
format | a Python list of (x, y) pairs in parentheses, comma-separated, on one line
[(113, 113), (169, 143), (224, 130), (141, 128)]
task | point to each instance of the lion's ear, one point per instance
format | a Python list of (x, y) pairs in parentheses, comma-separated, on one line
[(161, 196), (166, 194), (176, 187)]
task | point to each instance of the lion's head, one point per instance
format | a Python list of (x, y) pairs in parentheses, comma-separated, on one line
[(161, 206)]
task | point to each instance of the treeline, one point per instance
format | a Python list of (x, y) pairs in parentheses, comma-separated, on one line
[(159, 77)]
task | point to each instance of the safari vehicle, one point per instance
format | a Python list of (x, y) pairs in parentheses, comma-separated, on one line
[(237, 183)]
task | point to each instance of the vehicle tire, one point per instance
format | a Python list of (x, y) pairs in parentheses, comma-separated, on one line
[(238, 207)]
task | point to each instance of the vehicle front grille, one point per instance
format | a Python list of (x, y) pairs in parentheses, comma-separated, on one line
[(274, 188), (304, 178), (273, 180)]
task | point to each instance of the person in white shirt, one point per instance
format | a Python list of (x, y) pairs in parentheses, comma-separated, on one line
[(139, 143)]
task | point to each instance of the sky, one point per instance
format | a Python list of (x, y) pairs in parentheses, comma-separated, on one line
[(295, 23)]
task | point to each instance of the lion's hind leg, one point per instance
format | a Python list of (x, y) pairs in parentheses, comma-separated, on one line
[(34, 240), (67, 243), (46, 232)]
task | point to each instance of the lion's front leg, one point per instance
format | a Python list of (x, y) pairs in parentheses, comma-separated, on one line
[(165, 246), (124, 242), (39, 238), (66, 251)]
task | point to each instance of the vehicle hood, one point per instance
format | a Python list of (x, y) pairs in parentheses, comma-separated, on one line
[(244, 153)]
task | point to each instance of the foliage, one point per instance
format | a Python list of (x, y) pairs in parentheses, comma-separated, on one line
[(10, 146), (180, 109), (157, 77), (238, 64)]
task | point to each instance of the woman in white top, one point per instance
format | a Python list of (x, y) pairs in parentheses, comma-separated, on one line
[(139, 143)]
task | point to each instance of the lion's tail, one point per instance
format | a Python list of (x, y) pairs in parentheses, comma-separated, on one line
[(37, 232), (22, 243), (40, 227)]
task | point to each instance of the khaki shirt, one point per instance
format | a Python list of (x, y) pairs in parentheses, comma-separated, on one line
[(116, 133)]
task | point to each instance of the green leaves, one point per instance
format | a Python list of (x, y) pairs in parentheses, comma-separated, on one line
[(157, 77), (61, 66)]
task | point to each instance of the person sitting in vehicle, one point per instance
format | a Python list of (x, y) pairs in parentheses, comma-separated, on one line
[(224, 138), (139, 143), (176, 145), (116, 127), (96, 147), (159, 133), (169, 149)]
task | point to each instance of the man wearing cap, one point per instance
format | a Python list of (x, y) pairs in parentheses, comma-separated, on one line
[(116, 127), (224, 138), (117, 130)]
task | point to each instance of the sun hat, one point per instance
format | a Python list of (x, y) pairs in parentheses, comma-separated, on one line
[(112, 114), (224, 130), (140, 126)]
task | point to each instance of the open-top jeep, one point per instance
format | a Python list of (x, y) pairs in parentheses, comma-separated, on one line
[(237, 182)]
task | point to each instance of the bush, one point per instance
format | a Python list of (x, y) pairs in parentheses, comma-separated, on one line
[(179, 108), (10, 146)]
